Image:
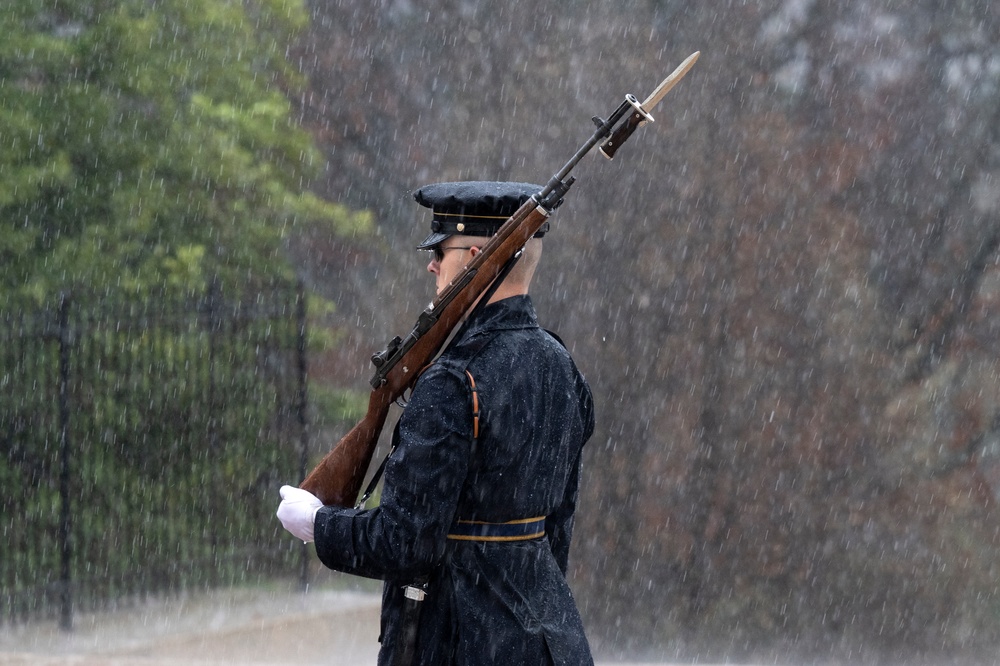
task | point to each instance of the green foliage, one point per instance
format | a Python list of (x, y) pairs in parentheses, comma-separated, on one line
[(336, 406), (148, 144), (181, 428), (147, 151)]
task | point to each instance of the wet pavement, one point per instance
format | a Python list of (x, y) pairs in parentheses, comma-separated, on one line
[(241, 626), (225, 627)]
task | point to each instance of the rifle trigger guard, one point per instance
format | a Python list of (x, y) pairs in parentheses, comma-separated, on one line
[(402, 400)]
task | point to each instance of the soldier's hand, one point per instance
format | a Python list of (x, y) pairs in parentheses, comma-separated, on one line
[(297, 511)]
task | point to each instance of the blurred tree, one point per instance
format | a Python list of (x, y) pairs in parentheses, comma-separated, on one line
[(151, 162), (785, 293), (145, 144)]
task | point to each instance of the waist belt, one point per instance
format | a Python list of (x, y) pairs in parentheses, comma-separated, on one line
[(514, 530)]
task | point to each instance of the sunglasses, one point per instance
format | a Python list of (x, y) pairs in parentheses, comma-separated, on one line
[(438, 252)]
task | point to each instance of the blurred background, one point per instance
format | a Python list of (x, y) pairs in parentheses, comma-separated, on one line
[(785, 294)]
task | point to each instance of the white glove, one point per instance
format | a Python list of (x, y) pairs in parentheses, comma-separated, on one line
[(297, 511)]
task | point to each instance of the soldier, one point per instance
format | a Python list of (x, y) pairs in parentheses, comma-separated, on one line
[(473, 529)]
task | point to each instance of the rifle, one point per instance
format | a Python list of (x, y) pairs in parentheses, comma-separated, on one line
[(338, 477)]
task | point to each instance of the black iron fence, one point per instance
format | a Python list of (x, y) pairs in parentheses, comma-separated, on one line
[(142, 444)]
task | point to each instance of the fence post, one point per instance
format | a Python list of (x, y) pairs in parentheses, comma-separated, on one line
[(214, 416), (65, 522), (302, 407)]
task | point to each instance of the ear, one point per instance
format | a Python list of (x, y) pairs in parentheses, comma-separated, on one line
[(474, 250)]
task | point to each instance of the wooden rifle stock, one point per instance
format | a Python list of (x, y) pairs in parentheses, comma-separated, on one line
[(338, 477)]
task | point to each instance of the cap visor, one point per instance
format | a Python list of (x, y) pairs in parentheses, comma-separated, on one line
[(432, 240)]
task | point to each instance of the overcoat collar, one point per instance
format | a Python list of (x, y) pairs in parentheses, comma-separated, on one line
[(507, 314)]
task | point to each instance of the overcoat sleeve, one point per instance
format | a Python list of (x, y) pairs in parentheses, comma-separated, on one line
[(406, 534)]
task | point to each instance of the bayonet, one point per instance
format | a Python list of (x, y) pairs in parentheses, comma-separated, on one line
[(669, 82), (641, 113)]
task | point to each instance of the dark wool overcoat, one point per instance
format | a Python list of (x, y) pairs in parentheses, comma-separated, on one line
[(496, 602)]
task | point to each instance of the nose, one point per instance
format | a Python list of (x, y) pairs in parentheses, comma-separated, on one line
[(433, 266)]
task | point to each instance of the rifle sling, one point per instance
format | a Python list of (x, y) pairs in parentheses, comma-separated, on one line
[(487, 295)]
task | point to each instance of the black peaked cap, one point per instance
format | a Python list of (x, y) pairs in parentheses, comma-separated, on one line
[(472, 208)]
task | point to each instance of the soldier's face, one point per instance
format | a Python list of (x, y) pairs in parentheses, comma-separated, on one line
[(447, 259)]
